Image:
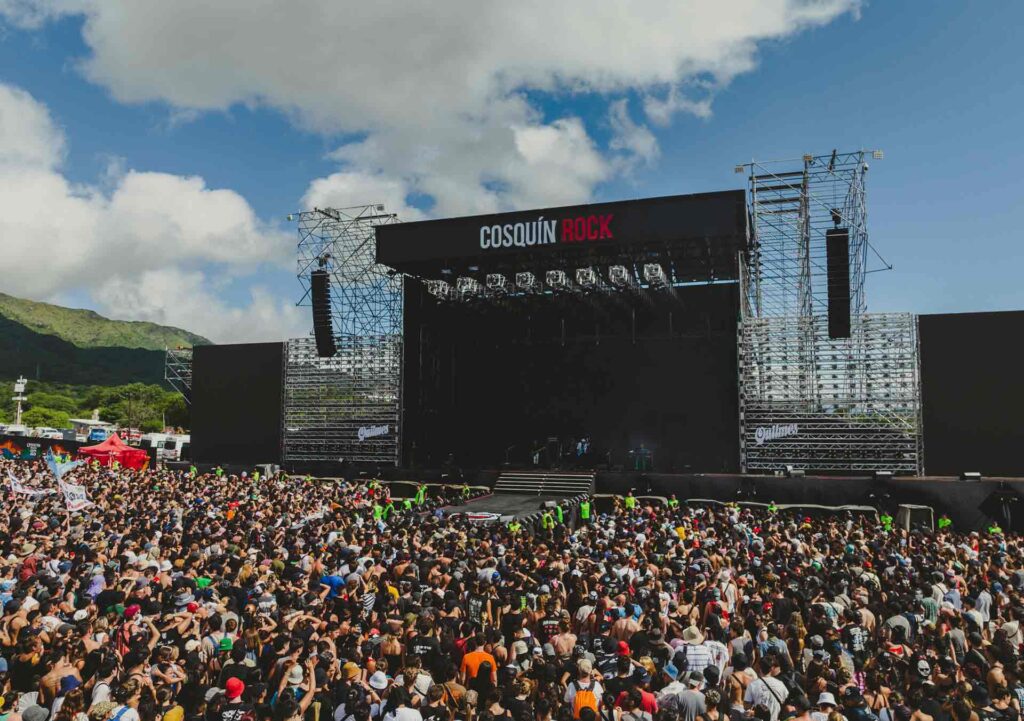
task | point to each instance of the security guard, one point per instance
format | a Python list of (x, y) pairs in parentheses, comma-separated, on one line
[(585, 510)]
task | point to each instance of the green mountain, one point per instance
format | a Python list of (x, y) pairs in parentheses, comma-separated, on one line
[(87, 329), (50, 343)]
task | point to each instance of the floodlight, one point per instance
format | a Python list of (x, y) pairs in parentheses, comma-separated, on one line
[(620, 276), (497, 283), (586, 278), (527, 281), (557, 280), (654, 275)]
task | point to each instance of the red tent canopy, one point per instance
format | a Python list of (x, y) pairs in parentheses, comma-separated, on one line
[(114, 449)]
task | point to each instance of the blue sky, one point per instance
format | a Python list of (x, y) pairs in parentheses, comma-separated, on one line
[(939, 91)]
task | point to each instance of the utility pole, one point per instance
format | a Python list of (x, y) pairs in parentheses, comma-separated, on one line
[(19, 390)]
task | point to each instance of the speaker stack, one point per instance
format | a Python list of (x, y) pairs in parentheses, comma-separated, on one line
[(837, 245), (320, 290)]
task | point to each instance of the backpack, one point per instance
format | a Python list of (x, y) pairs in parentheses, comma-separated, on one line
[(585, 698)]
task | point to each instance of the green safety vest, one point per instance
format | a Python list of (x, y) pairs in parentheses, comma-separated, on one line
[(387, 510), (465, 490), (944, 523), (886, 520), (547, 521), (219, 472), (559, 516), (994, 528), (407, 503), (630, 502), (193, 470), (585, 510), (378, 511), (772, 508), (673, 503), (255, 476), (421, 494), (514, 526)]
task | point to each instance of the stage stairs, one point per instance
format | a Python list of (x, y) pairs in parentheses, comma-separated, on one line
[(541, 483)]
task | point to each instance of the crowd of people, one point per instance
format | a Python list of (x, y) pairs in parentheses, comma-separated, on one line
[(188, 596)]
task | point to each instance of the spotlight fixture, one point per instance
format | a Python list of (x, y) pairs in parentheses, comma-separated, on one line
[(654, 275), (497, 283), (527, 282), (467, 287), (586, 278), (620, 276), (557, 280), (440, 289)]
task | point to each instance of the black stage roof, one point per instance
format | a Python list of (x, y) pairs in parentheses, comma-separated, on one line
[(698, 236)]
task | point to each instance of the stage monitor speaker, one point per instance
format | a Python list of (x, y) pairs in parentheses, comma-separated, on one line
[(837, 246), (320, 290)]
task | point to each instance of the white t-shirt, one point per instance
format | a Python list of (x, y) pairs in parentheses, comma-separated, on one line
[(404, 713), (768, 692)]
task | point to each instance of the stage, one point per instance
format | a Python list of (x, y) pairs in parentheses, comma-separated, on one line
[(971, 505)]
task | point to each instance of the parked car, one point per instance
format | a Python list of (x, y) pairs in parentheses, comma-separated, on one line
[(13, 430), (97, 435)]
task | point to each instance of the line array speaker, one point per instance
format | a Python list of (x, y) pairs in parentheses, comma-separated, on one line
[(320, 290), (837, 245)]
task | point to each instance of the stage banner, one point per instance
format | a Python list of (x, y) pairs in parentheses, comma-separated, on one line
[(23, 448), (75, 496), (19, 487)]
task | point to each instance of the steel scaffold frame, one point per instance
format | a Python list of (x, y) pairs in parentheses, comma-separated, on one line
[(335, 408), (855, 402), (178, 371)]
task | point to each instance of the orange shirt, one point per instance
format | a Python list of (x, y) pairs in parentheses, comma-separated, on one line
[(472, 660)]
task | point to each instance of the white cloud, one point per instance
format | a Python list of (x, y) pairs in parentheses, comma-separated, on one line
[(186, 299), (636, 143), (437, 91), (107, 239)]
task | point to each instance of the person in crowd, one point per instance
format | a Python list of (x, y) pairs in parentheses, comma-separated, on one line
[(192, 596)]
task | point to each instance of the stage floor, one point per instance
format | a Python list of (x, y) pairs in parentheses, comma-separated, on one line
[(504, 504)]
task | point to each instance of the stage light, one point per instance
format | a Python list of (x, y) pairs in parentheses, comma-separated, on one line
[(739, 168), (440, 289), (467, 287), (527, 282), (654, 275), (497, 283), (620, 276), (557, 280), (878, 155), (586, 278)]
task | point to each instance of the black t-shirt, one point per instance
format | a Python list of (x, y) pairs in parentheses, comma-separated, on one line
[(236, 711), (429, 712), (617, 684), (233, 670), (428, 649), (549, 627)]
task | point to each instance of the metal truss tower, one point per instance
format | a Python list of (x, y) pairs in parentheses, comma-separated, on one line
[(346, 406), (805, 400), (178, 371)]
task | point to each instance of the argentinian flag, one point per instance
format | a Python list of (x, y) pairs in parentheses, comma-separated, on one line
[(59, 468)]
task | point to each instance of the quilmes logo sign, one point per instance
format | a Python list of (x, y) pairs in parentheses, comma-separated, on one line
[(367, 432), (763, 434), (580, 229)]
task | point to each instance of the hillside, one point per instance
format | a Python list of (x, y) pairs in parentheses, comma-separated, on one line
[(62, 345), (86, 329)]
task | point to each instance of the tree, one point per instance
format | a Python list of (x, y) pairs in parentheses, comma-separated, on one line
[(151, 425), (40, 416), (53, 401)]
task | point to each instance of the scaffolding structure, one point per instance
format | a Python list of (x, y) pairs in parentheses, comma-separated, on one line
[(178, 371), (346, 407), (808, 401)]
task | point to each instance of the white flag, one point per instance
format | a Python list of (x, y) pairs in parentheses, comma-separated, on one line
[(19, 487), (74, 495)]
